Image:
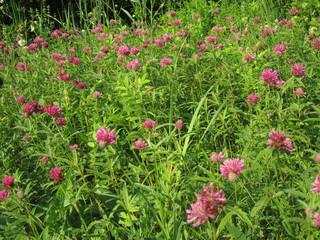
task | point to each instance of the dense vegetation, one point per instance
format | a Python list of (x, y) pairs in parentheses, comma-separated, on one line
[(200, 122)]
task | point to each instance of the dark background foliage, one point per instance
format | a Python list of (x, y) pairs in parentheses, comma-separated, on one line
[(57, 8)]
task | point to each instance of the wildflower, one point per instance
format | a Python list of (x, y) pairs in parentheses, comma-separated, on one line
[(134, 64), (53, 110), (266, 32), (44, 44), (74, 147), (217, 157), (40, 109), (294, 11), (56, 34), (299, 92), (124, 50), (316, 184), (25, 138), (229, 18), (271, 78), (290, 24), (99, 55), (81, 85), (165, 62), (4, 194), (75, 82), (120, 59), (124, 33), (148, 124), (38, 40), (210, 39), (64, 77), (172, 14), (245, 32), (44, 159), (58, 57), (279, 141), (280, 49), (159, 42), (256, 20), (29, 108), (231, 168), (8, 182), (56, 175), (105, 49), (73, 60), (96, 94), (220, 46), (105, 137), (61, 121), (177, 22), (203, 47), (216, 10), (136, 32), (208, 205), (113, 21), (147, 41), (134, 50), (298, 70), (179, 124), (72, 50), (218, 29), (197, 16), (249, 57), (33, 48), (233, 28), (283, 22), (312, 35), (21, 100), (87, 49), (253, 98), (139, 145), (316, 44), (317, 217), (317, 158), (21, 43)]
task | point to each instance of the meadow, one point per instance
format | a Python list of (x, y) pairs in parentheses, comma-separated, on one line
[(199, 123)]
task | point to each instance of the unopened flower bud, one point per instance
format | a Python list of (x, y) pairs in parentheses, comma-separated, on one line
[(317, 158)]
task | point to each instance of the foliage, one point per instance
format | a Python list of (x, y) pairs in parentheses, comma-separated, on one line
[(121, 190)]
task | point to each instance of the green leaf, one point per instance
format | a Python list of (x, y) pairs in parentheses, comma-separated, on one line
[(236, 232), (223, 222), (243, 215), (259, 205)]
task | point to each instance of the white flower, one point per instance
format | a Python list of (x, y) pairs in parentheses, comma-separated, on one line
[(21, 42)]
